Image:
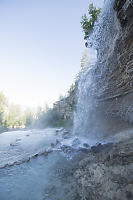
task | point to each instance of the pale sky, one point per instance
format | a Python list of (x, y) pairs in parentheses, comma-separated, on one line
[(41, 44)]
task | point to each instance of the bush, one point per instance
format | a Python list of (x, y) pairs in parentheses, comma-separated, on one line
[(87, 24)]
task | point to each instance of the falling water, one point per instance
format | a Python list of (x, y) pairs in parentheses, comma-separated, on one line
[(92, 84)]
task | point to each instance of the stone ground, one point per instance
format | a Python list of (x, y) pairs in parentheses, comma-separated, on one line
[(107, 172)]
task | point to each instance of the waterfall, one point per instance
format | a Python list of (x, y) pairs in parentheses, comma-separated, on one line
[(88, 120)]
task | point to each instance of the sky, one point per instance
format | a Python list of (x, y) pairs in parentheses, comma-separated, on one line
[(41, 45)]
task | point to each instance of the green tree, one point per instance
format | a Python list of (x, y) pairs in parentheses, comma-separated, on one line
[(28, 118), (72, 87), (13, 117), (87, 23), (3, 103)]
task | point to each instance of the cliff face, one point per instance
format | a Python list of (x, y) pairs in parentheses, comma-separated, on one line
[(65, 106), (118, 79), (113, 76)]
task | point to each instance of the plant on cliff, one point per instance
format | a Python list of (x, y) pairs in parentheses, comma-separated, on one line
[(87, 23)]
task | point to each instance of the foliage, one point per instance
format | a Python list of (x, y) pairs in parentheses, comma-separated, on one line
[(72, 96), (28, 118), (72, 88), (2, 108), (49, 118), (12, 116), (87, 24)]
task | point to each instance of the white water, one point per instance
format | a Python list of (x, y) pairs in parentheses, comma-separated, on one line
[(91, 85)]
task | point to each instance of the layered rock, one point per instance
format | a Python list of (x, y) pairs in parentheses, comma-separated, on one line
[(117, 79), (106, 94)]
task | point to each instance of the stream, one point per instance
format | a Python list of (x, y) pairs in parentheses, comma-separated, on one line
[(38, 165)]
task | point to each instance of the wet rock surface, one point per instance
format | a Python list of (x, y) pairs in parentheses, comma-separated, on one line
[(107, 172), (115, 84)]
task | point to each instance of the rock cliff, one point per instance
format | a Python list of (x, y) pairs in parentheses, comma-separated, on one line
[(117, 79), (120, 63), (106, 94), (65, 106)]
